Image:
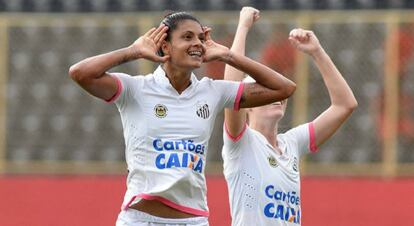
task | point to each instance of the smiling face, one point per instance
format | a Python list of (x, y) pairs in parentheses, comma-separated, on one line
[(186, 45)]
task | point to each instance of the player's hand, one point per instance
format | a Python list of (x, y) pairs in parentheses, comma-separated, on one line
[(213, 50), (147, 45), (305, 41), (248, 15)]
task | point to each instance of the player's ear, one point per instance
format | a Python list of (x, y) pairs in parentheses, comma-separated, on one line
[(165, 47)]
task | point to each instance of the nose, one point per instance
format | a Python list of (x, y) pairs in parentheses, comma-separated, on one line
[(199, 43)]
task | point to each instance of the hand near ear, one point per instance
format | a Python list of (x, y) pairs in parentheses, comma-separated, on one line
[(147, 45), (214, 51)]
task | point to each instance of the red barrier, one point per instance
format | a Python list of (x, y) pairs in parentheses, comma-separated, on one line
[(89, 200)]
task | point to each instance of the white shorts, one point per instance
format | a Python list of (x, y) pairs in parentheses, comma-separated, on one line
[(132, 217)]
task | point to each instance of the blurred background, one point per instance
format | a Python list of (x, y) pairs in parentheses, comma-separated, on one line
[(62, 151)]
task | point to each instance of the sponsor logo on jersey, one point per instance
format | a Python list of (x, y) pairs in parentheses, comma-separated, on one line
[(160, 110), (179, 160), (169, 158), (283, 206), (203, 111), (272, 161)]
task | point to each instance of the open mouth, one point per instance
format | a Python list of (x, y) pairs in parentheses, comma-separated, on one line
[(195, 54)]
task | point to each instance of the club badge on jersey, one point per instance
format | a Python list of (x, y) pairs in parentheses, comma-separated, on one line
[(160, 110), (272, 161), (203, 111)]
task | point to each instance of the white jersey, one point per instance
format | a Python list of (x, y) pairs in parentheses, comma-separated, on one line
[(264, 187), (166, 136)]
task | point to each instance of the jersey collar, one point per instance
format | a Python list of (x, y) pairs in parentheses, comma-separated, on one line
[(161, 78)]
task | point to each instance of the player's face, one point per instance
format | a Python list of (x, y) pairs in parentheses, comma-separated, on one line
[(186, 45), (274, 111)]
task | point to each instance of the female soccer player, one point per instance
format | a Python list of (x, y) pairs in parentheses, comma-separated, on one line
[(168, 116), (262, 167)]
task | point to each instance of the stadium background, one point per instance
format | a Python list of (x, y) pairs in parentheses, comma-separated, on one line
[(62, 152)]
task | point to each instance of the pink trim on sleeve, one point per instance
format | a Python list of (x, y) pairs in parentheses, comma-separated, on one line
[(168, 203), (236, 138), (238, 96), (312, 143), (118, 91)]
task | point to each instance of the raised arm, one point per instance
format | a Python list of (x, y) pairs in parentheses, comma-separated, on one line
[(235, 120), (270, 86), (343, 101), (91, 73)]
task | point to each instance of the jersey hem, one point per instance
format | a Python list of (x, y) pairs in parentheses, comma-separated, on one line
[(169, 203)]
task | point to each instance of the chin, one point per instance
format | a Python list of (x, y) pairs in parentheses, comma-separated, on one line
[(277, 115), (195, 65), (198, 65), (190, 66)]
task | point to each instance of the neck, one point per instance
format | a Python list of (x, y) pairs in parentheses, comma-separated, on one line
[(267, 129), (179, 78)]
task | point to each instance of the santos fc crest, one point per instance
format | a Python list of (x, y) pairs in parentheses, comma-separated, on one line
[(203, 111)]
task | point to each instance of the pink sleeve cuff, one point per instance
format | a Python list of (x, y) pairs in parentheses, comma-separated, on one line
[(118, 91), (234, 138), (312, 143), (238, 97)]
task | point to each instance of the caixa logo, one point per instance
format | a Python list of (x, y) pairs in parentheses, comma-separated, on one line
[(179, 160), (171, 145), (284, 206), (167, 158)]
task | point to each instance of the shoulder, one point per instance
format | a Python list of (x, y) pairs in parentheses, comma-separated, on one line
[(298, 138), (210, 81), (130, 85), (297, 130), (125, 76), (243, 139), (205, 81), (208, 84)]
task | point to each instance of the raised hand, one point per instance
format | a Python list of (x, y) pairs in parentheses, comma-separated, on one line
[(304, 40), (147, 45), (214, 51), (248, 15)]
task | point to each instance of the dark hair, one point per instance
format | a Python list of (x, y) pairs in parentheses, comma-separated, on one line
[(171, 20)]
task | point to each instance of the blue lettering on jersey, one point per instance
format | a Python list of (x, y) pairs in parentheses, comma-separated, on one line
[(199, 166), (289, 198), (288, 205), (179, 160), (169, 159), (160, 161), (172, 145), (173, 161), (269, 210), (282, 212)]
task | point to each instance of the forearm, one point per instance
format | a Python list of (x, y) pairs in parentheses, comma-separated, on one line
[(238, 46), (236, 120), (96, 66), (239, 42), (339, 91), (261, 73)]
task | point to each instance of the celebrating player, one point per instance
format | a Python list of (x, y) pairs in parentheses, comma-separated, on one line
[(261, 166)]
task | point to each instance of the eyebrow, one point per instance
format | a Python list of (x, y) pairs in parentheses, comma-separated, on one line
[(188, 31)]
